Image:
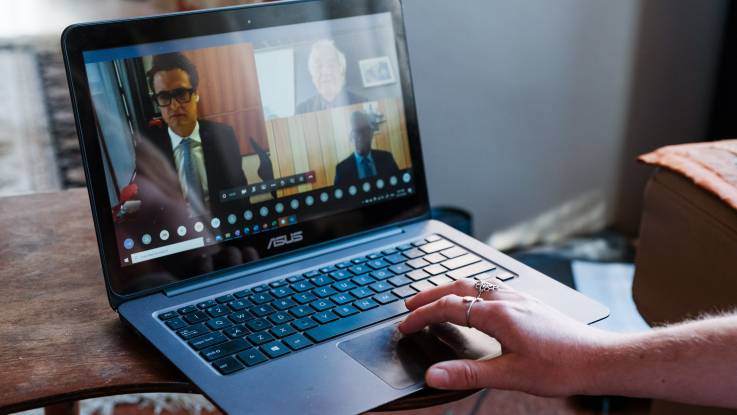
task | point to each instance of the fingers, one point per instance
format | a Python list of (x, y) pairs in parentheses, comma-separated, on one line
[(472, 374), (461, 288), (450, 309)]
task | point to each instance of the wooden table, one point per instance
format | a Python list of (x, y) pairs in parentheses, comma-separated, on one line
[(59, 339)]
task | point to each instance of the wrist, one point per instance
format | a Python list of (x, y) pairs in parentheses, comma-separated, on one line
[(606, 363)]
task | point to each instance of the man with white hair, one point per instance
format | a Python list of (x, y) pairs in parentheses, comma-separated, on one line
[(327, 66)]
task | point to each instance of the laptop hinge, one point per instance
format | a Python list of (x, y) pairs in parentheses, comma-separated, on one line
[(282, 262)]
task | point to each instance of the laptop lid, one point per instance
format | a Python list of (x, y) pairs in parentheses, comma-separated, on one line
[(224, 137)]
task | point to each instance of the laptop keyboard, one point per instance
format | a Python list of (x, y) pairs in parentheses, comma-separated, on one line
[(252, 326)]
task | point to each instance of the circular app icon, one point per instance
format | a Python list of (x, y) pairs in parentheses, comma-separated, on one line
[(294, 204), (232, 218), (181, 231), (366, 186), (352, 190), (393, 180), (338, 194), (128, 243), (215, 223), (164, 235), (198, 227), (380, 184), (263, 211), (247, 215), (323, 197), (279, 207), (146, 239), (406, 177), (309, 200)]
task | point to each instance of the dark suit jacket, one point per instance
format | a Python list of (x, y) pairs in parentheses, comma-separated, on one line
[(346, 172), (222, 160)]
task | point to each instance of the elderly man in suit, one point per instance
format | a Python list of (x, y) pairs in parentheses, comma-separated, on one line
[(365, 162)]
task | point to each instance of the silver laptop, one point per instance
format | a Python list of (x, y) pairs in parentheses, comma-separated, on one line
[(258, 191)]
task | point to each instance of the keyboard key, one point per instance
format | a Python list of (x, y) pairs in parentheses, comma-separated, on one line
[(422, 285), (344, 285), (404, 292), (260, 338), (240, 316), (404, 247), (323, 292), (374, 256), (282, 292), (366, 304), (454, 252), (359, 269), (385, 298), (471, 270), (258, 324), (251, 357), (396, 258), (236, 331), (275, 349), (377, 264), (311, 274), (435, 269), (382, 274), (168, 315), (434, 258), (207, 340), (322, 280), (355, 322), (262, 310), (242, 293), (417, 275), (225, 298), (224, 349), (362, 292), (342, 298), (440, 280), (297, 341), (359, 260), (413, 253), (193, 331), (219, 323), (345, 310), (417, 263), (218, 310), (282, 330), (260, 288), (227, 365), (389, 251), (460, 261), (322, 304), (363, 279), (283, 304), (400, 269), (301, 311), (187, 309), (206, 304), (262, 298), (433, 238), (381, 286), (505, 276), (328, 269), (196, 317), (303, 324), (324, 317), (302, 286), (277, 284), (304, 298), (294, 279), (238, 305), (280, 317), (419, 242), (176, 323), (342, 265), (436, 246), (399, 280), (340, 275)]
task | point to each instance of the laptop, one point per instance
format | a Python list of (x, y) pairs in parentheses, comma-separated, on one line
[(256, 181)]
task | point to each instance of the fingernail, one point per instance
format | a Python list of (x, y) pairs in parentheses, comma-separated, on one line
[(437, 377)]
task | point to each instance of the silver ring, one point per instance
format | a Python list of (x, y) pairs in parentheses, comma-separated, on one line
[(484, 286), (471, 300)]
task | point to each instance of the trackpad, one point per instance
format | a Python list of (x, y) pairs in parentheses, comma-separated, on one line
[(400, 361)]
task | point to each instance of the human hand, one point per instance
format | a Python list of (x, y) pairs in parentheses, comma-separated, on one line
[(544, 351)]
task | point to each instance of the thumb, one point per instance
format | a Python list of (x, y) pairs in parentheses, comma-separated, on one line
[(468, 374)]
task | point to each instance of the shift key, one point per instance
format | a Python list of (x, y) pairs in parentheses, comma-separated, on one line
[(357, 321)]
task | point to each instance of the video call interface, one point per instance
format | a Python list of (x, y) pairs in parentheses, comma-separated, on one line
[(216, 138)]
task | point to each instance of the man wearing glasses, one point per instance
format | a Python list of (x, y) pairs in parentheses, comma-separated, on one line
[(204, 153)]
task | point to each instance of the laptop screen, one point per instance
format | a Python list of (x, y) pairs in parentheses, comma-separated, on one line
[(212, 142)]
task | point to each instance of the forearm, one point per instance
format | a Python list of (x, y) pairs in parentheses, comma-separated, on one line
[(694, 362)]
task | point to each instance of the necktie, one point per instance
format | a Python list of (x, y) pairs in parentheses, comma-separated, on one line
[(192, 185), (367, 167)]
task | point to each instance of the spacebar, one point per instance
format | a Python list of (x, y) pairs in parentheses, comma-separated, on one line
[(355, 322)]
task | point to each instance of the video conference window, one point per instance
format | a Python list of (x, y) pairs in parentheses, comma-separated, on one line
[(224, 136)]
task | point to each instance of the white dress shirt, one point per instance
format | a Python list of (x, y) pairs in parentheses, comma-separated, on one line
[(198, 158)]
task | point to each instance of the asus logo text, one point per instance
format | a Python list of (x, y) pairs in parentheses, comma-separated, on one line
[(282, 240)]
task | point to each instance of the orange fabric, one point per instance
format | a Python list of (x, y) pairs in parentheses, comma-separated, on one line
[(712, 166)]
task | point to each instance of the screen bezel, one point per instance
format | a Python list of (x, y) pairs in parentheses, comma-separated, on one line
[(95, 36)]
